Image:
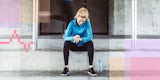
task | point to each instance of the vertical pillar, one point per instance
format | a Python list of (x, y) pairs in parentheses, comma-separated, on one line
[(35, 23), (134, 24)]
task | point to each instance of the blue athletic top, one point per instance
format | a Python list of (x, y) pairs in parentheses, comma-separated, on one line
[(84, 31)]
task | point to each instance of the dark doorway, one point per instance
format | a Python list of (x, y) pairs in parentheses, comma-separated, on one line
[(62, 11)]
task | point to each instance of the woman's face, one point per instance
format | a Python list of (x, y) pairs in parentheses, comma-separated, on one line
[(81, 20)]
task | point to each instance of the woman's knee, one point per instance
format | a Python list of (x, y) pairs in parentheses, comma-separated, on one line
[(66, 42), (90, 43)]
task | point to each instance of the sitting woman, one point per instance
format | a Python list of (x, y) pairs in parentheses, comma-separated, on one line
[(78, 37)]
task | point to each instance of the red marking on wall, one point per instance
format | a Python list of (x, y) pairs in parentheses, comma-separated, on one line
[(26, 46)]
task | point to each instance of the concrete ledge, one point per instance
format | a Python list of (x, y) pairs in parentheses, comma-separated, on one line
[(57, 44), (99, 44), (49, 60), (50, 75)]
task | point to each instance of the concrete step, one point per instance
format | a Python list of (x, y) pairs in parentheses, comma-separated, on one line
[(51, 75), (99, 44), (41, 60), (57, 44)]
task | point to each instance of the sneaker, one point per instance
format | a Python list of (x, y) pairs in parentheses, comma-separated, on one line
[(65, 72), (91, 72)]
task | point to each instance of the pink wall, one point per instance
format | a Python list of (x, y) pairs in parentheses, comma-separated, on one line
[(9, 13), (144, 62)]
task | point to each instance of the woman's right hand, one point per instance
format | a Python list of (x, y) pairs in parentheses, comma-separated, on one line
[(77, 38)]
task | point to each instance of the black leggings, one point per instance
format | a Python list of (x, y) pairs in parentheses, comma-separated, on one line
[(73, 47)]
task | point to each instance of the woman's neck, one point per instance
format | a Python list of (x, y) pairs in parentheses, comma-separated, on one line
[(77, 23)]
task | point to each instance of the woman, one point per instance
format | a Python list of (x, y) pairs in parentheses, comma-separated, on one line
[(78, 37)]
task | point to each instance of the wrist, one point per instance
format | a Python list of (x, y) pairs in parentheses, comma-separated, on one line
[(80, 39)]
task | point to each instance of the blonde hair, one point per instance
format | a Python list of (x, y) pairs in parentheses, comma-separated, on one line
[(82, 12)]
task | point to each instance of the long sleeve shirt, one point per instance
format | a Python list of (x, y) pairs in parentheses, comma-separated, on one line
[(84, 31)]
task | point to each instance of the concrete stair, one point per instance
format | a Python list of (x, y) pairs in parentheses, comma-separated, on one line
[(56, 43), (49, 55), (50, 75), (101, 43), (42, 60), (46, 63)]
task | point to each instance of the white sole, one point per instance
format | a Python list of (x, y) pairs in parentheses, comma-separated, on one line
[(65, 74), (92, 74)]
